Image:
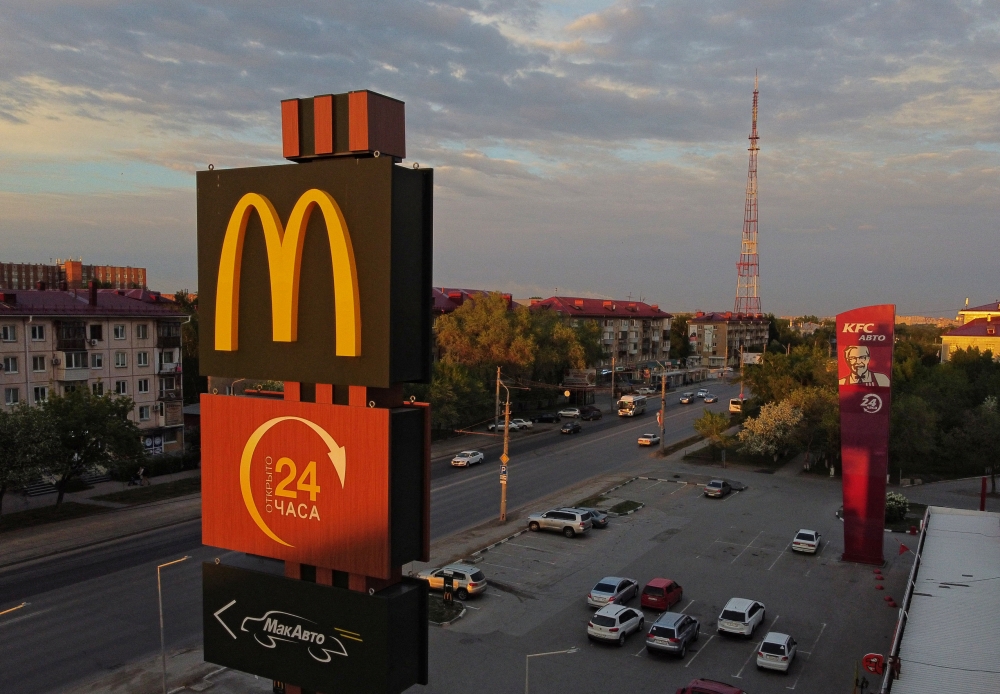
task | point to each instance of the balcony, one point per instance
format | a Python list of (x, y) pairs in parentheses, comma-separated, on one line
[(170, 395), (170, 368)]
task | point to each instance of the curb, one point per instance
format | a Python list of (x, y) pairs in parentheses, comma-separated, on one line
[(450, 621), (498, 542), (627, 513)]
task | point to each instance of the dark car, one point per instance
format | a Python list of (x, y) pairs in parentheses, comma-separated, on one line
[(590, 413), (546, 418), (709, 687), (598, 518), (571, 428)]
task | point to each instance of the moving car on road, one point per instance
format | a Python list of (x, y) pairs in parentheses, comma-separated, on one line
[(741, 616), (702, 392), (467, 458), (598, 518), (776, 652), (590, 412), (736, 406), (661, 594), (570, 428), (717, 488), (568, 521), (612, 589), (806, 541), (709, 687), (570, 412), (546, 418), (671, 633), (631, 405), (467, 579), (646, 390), (687, 398), (614, 623), (709, 398), (649, 439)]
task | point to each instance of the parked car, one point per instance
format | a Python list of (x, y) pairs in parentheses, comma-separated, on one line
[(612, 589), (467, 458), (687, 398), (598, 518), (736, 406), (649, 439), (522, 423), (546, 418), (591, 413), (646, 390), (661, 594), (514, 426), (741, 616), (467, 579), (615, 623), (570, 412), (672, 633), (711, 398), (568, 521), (717, 488), (806, 541), (702, 392), (776, 652), (709, 687), (571, 428)]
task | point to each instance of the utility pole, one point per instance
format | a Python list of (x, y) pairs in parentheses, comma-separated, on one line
[(741, 371), (504, 459), (613, 379), (663, 405)]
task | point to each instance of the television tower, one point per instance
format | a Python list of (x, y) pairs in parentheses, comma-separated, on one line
[(748, 269)]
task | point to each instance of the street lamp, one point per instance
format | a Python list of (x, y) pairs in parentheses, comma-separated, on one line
[(527, 661), (506, 441), (159, 590)]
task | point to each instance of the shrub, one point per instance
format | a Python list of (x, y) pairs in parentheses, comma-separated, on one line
[(896, 506)]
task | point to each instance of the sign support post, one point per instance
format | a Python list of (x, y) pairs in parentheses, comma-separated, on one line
[(504, 459)]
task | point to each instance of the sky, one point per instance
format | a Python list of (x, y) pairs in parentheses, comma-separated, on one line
[(585, 147)]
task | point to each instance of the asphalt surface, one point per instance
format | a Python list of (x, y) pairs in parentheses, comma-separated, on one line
[(94, 610)]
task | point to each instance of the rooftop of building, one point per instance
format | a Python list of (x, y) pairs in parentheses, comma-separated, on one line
[(447, 299), (992, 306), (106, 302), (980, 327), (600, 308), (727, 317)]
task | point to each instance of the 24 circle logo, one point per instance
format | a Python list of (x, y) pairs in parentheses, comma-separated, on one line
[(871, 403)]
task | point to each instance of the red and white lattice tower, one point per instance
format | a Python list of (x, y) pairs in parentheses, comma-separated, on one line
[(748, 269)]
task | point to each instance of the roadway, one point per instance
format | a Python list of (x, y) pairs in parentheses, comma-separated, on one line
[(94, 610)]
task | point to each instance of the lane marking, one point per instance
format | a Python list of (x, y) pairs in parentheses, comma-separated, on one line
[(753, 653), (25, 616), (746, 548), (12, 609), (807, 654), (780, 555), (700, 649)]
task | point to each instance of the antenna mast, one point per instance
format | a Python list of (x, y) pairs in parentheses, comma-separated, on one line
[(748, 268)]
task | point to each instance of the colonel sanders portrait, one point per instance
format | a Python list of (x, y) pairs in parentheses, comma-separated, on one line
[(858, 358)]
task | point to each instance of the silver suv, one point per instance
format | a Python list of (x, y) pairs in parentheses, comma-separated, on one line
[(672, 632), (568, 521)]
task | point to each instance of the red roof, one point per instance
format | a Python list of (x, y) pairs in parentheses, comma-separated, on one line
[(447, 299), (980, 327), (994, 306), (110, 302), (600, 308), (727, 316)]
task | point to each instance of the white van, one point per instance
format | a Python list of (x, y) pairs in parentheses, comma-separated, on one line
[(631, 405), (736, 406)]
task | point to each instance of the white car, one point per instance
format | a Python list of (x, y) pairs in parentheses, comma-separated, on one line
[(646, 391), (776, 652), (806, 541), (615, 623), (702, 392), (741, 616), (649, 439), (467, 458), (522, 423), (514, 426), (569, 412)]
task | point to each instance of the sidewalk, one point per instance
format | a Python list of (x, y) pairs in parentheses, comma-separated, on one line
[(12, 503)]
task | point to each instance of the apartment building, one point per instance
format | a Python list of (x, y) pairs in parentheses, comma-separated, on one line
[(111, 341), (631, 331), (718, 337), (69, 274)]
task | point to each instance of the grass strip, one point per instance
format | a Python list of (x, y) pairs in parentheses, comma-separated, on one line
[(590, 502), (625, 506), (154, 492), (48, 514), (674, 447)]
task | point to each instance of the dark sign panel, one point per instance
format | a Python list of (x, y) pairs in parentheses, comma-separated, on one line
[(317, 272), (326, 485), (864, 356), (319, 637)]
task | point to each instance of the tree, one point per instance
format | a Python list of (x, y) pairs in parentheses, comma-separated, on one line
[(778, 375), (680, 346), (913, 429), (560, 346), (483, 333), (820, 407), (713, 426), (90, 430), (193, 382), (457, 396), (770, 433), (25, 440)]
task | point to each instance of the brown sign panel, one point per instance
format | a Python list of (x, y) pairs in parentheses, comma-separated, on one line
[(325, 485), (317, 272)]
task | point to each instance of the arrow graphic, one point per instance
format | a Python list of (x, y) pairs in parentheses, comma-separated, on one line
[(224, 626)]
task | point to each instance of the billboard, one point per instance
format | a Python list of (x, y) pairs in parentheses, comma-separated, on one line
[(753, 358), (579, 378), (325, 485), (864, 370), (317, 273), (322, 638)]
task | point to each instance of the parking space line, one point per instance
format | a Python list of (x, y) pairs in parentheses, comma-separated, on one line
[(780, 555), (822, 548), (698, 652), (512, 568), (731, 496), (639, 654), (753, 653), (539, 549), (709, 547), (682, 488), (808, 653), (746, 548), (687, 606)]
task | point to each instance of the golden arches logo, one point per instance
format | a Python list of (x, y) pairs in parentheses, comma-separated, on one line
[(336, 454), (284, 259)]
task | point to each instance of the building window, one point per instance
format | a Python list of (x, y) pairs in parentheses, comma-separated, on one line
[(121, 360), (8, 333), (143, 413), (38, 363), (10, 365), (96, 360), (97, 388), (37, 333), (119, 332), (167, 356), (69, 389), (142, 358), (10, 396), (97, 332), (41, 394), (76, 360), (121, 387), (141, 331), (143, 385), (170, 436)]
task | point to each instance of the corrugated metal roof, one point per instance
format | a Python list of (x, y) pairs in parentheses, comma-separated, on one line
[(950, 639)]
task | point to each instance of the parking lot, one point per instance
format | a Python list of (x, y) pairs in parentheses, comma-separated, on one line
[(738, 546)]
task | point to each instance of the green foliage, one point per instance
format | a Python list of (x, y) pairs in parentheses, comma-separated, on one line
[(713, 426), (896, 506), (779, 375), (457, 397), (193, 382), (25, 436), (680, 347), (772, 432)]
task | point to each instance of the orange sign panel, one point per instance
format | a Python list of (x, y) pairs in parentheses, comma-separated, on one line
[(312, 483)]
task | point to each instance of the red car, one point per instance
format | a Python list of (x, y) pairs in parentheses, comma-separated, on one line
[(661, 594), (709, 687)]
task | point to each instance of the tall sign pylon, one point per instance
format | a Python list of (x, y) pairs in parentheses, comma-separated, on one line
[(748, 268)]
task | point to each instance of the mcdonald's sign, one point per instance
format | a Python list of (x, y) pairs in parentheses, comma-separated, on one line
[(317, 272)]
